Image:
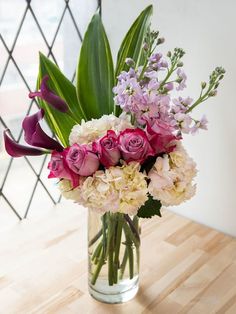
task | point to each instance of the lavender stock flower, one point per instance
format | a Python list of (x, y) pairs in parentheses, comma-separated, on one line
[(46, 94), (182, 77), (201, 124)]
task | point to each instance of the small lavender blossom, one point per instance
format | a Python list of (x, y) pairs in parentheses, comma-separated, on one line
[(156, 57), (201, 124), (181, 104), (163, 64), (128, 91), (169, 86), (184, 121), (182, 77), (150, 74)]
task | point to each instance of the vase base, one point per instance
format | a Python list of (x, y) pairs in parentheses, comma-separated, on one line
[(122, 292)]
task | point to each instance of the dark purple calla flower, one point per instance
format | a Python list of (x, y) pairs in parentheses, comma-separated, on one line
[(46, 94), (17, 150), (35, 136)]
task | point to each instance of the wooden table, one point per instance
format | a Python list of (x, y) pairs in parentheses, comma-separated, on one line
[(185, 267)]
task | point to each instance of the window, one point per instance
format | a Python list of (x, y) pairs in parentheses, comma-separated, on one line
[(56, 28)]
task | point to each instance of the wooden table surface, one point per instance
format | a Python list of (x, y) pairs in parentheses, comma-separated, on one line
[(185, 267)]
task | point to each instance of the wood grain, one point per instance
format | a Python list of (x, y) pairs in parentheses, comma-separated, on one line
[(185, 267)]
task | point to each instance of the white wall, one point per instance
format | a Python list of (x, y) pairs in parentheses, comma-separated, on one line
[(206, 30)]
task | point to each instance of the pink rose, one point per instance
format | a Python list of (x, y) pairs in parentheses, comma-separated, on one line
[(134, 145), (107, 149), (82, 160), (59, 168), (161, 137)]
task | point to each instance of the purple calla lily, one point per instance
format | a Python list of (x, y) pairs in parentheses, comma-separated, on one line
[(50, 97), (35, 136), (15, 149)]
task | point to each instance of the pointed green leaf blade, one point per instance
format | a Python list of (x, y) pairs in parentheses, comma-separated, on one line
[(95, 73), (131, 46), (60, 123)]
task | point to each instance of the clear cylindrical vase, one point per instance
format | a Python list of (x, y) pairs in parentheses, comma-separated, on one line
[(113, 256)]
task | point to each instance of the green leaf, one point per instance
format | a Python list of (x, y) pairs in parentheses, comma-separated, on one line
[(60, 123), (150, 208), (131, 46), (95, 73)]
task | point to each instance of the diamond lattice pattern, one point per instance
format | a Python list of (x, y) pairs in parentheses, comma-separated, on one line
[(56, 28)]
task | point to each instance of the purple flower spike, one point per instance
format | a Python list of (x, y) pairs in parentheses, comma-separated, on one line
[(16, 150), (46, 94), (35, 136)]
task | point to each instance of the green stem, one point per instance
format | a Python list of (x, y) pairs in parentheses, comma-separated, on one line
[(170, 71), (104, 235), (129, 249), (199, 101), (133, 228), (110, 248), (117, 245), (98, 269), (136, 225), (123, 264), (130, 234), (100, 251), (97, 252), (95, 238)]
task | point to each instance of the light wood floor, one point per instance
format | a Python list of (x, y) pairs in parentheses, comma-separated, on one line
[(185, 267)]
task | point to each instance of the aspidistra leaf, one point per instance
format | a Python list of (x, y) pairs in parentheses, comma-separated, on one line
[(95, 73), (131, 46), (60, 123)]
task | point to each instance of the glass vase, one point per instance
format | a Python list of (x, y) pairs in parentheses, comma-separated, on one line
[(113, 256)]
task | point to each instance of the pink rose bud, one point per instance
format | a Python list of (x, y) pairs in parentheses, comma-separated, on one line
[(107, 149), (134, 145), (81, 160), (59, 168)]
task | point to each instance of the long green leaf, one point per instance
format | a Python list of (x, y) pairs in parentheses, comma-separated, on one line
[(60, 123), (95, 73), (131, 46)]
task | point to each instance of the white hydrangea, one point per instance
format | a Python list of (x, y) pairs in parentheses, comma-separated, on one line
[(117, 189), (172, 176), (68, 192), (87, 132)]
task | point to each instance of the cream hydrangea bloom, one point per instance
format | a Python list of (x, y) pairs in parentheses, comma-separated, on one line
[(171, 177), (117, 189), (67, 190), (87, 132)]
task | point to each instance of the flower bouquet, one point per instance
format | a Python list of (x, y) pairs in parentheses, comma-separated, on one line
[(117, 146)]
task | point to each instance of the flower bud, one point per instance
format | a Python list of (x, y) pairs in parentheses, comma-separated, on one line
[(169, 54), (145, 46), (160, 40), (203, 84), (180, 64), (213, 93), (130, 62)]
